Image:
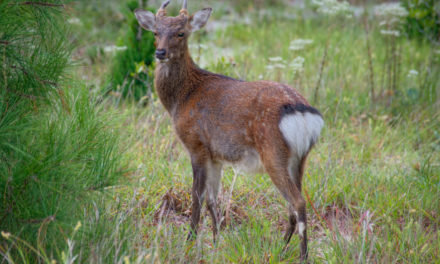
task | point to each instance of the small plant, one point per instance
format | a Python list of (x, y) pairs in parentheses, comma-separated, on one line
[(130, 73), (391, 17), (331, 10)]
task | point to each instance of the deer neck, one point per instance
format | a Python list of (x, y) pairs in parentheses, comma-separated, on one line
[(175, 80)]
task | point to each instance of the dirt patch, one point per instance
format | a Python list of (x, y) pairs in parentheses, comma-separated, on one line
[(339, 218), (175, 208), (431, 222)]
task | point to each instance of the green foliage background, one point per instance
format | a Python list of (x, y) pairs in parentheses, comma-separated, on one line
[(130, 72), (423, 20)]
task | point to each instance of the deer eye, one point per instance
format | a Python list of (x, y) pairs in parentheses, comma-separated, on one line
[(155, 33), (181, 34)]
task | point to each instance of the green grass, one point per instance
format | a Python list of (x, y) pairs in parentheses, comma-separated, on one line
[(372, 182)]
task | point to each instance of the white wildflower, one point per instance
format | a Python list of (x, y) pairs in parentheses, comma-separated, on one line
[(276, 63), (413, 73), (391, 16), (276, 66), (395, 33), (74, 21), (279, 65), (333, 7), (276, 59), (113, 48), (383, 23), (297, 64), (390, 10), (299, 44), (203, 46)]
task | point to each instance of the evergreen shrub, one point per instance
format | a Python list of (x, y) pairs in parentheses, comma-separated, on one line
[(57, 147), (131, 73)]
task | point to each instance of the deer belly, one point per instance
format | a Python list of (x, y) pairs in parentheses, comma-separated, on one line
[(248, 161)]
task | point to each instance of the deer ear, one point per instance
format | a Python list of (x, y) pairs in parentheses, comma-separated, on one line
[(146, 19), (199, 19)]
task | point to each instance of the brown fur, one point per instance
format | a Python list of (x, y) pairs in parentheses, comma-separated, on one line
[(220, 119)]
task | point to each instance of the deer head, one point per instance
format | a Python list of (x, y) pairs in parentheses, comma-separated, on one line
[(172, 33)]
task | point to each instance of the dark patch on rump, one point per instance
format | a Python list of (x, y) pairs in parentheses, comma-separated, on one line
[(302, 108)]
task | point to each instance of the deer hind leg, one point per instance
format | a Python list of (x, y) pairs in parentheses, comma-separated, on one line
[(212, 188), (296, 174), (278, 169), (293, 215)]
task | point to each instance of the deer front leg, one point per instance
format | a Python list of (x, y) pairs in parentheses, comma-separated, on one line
[(198, 193), (212, 188)]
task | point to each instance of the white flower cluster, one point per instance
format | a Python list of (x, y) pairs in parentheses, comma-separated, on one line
[(297, 65), (113, 48), (391, 15), (395, 33), (299, 44), (333, 7), (74, 21), (413, 73), (276, 63), (390, 10)]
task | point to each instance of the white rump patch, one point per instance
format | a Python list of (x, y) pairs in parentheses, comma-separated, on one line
[(301, 130)]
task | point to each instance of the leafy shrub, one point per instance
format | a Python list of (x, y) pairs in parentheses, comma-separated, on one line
[(423, 19), (130, 73)]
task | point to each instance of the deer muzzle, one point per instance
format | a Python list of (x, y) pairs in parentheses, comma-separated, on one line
[(161, 54)]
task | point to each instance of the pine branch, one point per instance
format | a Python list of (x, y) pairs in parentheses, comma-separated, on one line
[(42, 4), (35, 76)]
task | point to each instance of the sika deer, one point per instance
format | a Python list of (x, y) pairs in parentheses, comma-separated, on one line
[(258, 126)]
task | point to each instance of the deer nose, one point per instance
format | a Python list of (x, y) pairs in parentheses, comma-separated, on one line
[(160, 54)]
